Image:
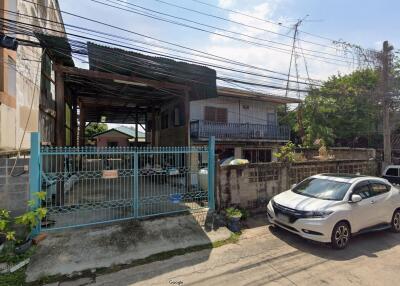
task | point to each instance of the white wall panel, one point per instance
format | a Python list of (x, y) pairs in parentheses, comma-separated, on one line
[(239, 111)]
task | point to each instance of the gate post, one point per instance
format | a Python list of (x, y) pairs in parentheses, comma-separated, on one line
[(34, 175), (135, 184), (211, 172)]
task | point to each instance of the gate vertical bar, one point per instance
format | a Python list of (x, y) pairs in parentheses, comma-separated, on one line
[(34, 175), (136, 184), (211, 172)]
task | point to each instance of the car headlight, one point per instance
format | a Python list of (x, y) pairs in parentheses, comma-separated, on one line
[(317, 214)]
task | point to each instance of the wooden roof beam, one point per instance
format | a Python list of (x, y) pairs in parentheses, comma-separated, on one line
[(113, 76)]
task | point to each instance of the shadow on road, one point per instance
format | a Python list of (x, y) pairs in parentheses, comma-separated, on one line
[(362, 245), (258, 220)]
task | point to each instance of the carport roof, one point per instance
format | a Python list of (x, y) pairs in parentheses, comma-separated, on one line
[(121, 85)]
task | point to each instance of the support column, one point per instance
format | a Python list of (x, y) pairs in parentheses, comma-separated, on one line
[(136, 128), (153, 127), (60, 134), (60, 109), (34, 176), (211, 173), (74, 122), (82, 124), (187, 118), (386, 99)]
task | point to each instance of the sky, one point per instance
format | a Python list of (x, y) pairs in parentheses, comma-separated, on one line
[(362, 22)]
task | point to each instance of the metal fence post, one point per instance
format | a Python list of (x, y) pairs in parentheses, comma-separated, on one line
[(135, 184), (34, 175), (211, 172)]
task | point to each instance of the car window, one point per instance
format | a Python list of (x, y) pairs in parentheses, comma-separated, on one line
[(322, 189), (379, 188), (392, 172), (363, 190)]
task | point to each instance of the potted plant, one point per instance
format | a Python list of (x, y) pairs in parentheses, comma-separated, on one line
[(26, 223), (5, 232), (234, 215)]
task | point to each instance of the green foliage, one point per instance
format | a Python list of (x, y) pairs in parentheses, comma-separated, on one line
[(29, 220), (245, 213), (5, 229), (12, 258), (34, 216), (396, 78), (18, 277), (15, 279), (95, 128), (288, 118), (286, 153), (233, 212), (343, 108)]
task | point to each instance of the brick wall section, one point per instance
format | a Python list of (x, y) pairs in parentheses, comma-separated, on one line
[(252, 186), (249, 186), (14, 190)]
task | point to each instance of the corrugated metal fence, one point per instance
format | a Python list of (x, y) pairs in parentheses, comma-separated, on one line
[(90, 185)]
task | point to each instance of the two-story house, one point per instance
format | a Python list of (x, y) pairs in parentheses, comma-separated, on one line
[(244, 124)]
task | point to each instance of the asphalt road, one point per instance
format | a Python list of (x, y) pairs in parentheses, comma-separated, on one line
[(265, 256)]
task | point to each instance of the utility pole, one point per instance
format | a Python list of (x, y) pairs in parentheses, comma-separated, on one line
[(294, 54), (385, 95), (296, 31)]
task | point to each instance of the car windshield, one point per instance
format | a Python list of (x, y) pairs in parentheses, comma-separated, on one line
[(322, 189)]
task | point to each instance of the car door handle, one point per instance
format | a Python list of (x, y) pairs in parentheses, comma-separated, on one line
[(372, 202)]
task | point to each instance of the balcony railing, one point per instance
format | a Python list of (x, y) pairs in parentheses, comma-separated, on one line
[(238, 131)]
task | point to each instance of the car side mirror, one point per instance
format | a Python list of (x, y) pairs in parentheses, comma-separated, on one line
[(355, 198), (293, 186)]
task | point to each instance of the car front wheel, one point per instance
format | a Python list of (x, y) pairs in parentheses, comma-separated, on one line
[(340, 235), (396, 221)]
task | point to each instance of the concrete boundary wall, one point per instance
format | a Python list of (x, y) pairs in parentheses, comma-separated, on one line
[(251, 186), (340, 153)]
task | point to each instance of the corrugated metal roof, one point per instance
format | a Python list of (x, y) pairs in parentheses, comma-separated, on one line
[(244, 94), (201, 79), (58, 47), (130, 132)]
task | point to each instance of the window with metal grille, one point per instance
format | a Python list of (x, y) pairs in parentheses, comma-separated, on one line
[(215, 114), (258, 155)]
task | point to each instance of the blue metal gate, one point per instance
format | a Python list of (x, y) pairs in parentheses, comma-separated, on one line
[(90, 185)]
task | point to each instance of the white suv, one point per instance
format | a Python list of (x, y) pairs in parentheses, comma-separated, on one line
[(333, 207)]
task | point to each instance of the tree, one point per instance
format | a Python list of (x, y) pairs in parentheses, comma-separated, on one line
[(343, 108), (95, 128)]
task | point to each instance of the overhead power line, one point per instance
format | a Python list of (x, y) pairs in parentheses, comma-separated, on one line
[(123, 7), (133, 60), (261, 19), (159, 54), (244, 24), (148, 37), (128, 4)]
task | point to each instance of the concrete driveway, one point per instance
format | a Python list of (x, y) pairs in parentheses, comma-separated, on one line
[(265, 256)]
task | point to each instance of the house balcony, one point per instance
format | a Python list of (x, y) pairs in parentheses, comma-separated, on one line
[(202, 130)]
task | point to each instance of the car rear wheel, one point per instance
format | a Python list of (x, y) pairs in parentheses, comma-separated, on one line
[(340, 235), (396, 221)]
